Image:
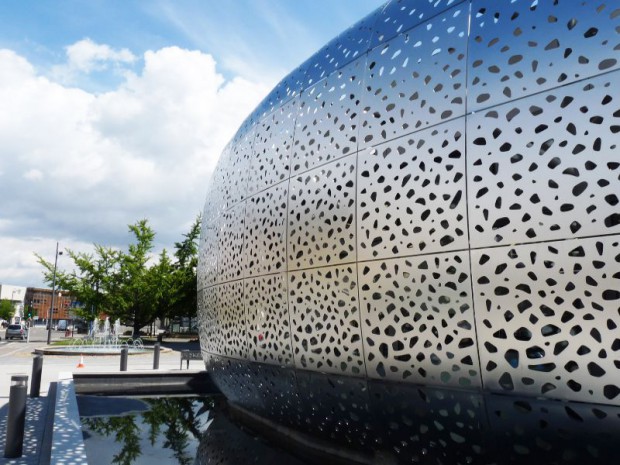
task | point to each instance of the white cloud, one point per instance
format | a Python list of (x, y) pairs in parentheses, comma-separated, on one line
[(19, 265), (81, 166), (19, 69), (86, 56)]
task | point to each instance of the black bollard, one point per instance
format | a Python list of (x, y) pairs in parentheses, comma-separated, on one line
[(16, 418), (124, 354), (37, 369), (156, 356)]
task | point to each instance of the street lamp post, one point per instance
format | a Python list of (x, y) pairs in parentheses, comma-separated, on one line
[(49, 319)]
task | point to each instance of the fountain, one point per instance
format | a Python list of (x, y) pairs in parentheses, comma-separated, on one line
[(117, 327), (106, 342)]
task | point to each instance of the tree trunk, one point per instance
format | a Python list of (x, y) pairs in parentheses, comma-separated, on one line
[(136, 329)]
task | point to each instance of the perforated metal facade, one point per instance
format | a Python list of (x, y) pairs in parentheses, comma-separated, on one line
[(432, 198)]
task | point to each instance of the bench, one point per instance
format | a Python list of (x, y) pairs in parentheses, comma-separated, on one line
[(190, 355)]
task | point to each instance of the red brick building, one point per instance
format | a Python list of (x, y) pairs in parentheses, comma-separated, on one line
[(38, 301)]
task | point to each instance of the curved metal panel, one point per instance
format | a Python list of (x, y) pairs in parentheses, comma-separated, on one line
[(284, 91), (265, 231), (399, 16), (321, 219), (524, 47), (411, 194), (340, 51), (325, 320), (272, 148), (548, 318), (209, 324), (327, 124), (418, 320), (219, 187), (416, 79), (266, 301), (208, 252), (546, 167), (230, 244), (355, 41), (234, 184), (488, 155), (232, 320)]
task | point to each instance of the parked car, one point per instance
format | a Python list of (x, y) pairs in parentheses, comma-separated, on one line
[(17, 331), (81, 327)]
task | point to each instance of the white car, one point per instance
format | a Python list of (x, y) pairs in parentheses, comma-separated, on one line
[(16, 331)]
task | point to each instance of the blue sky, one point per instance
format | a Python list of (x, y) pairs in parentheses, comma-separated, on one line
[(113, 111), (251, 38)]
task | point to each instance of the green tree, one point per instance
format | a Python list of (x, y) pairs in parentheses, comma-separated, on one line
[(174, 418), (135, 288), (120, 284), (185, 302), (126, 433), (130, 285), (93, 279), (6, 310), (161, 278), (89, 281)]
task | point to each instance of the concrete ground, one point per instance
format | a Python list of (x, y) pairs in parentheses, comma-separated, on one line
[(16, 359)]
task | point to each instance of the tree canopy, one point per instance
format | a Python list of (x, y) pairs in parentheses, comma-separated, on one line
[(133, 285), (6, 310)]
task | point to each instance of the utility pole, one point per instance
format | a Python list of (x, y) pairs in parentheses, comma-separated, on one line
[(49, 319)]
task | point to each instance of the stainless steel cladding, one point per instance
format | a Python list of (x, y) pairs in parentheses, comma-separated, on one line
[(431, 198)]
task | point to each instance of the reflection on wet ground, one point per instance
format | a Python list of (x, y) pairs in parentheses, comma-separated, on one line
[(375, 423), (165, 429), (173, 430)]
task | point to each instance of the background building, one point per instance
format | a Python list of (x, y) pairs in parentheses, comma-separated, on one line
[(16, 295), (38, 301)]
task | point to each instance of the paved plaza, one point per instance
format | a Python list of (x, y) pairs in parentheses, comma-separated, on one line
[(16, 359)]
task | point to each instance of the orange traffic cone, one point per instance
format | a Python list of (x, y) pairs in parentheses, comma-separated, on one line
[(81, 364)]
